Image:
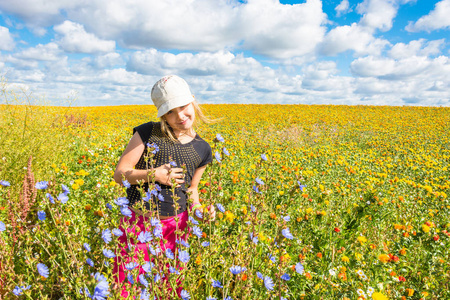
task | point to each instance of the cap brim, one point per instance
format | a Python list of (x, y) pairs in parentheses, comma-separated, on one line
[(174, 103)]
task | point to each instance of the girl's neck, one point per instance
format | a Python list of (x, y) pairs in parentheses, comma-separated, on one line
[(184, 136)]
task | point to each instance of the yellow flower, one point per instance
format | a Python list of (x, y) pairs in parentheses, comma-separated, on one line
[(229, 216), (425, 228), (384, 258), (80, 182), (362, 239), (75, 186), (112, 183), (379, 296), (345, 259), (410, 292)]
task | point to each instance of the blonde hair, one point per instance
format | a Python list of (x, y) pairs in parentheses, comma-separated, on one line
[(199, 118)]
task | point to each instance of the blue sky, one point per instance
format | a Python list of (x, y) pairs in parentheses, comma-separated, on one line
[(110, 52)]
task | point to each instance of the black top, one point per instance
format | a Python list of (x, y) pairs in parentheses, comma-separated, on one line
[(193, 155)]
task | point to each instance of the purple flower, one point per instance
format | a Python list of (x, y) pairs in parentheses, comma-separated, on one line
[(285, 277), (65, 189), (219, 138), (157, 232), (287, 234), (225, 151), (287, 218), (182, 242), (42, 269), (259, 181), (101, 290), (173, 164), (237, 269), (108, 206), (106, 235), (41, 215), (126, 183), (145, 237), (153, 148), (117, 232), (131, 265), (130, 278), (185, 295), (263, 157), (108, 253), (169, 253), (173, 270), (299, 268), (217, 156), (184, 256), (198, 214), (220, 207), (216, 283), (121, 201), (260, 276), (87, 247), (63, 198), (142, 280), (41, 185), (2, 226), (126, 211), (205, 244), (148, 266), (302, 187), (193, 221), (90, 262), (197, 231), (18, 290), (268, 283), (50, 198), (256, 189), (4, 183)]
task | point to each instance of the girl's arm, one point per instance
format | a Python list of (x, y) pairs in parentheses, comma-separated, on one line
[(130, 157), (193, 189)]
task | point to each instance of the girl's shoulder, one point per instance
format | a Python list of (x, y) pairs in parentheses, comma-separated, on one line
[(146, 130)]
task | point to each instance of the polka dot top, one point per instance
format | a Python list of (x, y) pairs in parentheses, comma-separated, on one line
[(193, 155)]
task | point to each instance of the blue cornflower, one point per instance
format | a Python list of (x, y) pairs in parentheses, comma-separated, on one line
[(147, 196), (108, 253), (157, 232), (285, 277), (117, 232), (287, 218), (18, 290), (145, 237), (217, 156), (205, 244), (131, 265), (169, 253), (225, 151), (87, 247), (259, 181), (299, 268), (152, 250), (101, 290), (121, 201), (108, 206), (142, 280), (237, 269), (256, 189), (173, 270), (144, 295), (63, 198), (211, 298), (2, 226), (216, 283), (287, 234), (193, 221), (197, 231), (173, 164), (219, 138), (254, 238), (302, 187), (153, 148), (160, 197), (155, 222), (263, 157), (50, 198), (65, 189), (184, 256), (90, 262), (148, 266), (126, 183), (185, 295), (126, 211), (198, 214), (4, 183), (268, 283), (252, 208), (220, 207), (228, 298), (42, 269), (272, 258), (41, 185), (182, 242), (106, 235), (41, 215), (260, 276), (130, 278), (157, 277)]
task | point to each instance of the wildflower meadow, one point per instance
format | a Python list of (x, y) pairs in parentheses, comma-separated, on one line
[(312, 202)]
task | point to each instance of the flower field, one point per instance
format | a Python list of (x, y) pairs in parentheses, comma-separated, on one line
[(312, 202)]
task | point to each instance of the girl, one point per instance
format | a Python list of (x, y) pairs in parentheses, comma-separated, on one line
[(179, 158)]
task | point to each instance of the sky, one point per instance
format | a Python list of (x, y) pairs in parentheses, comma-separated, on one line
[(111, 52)]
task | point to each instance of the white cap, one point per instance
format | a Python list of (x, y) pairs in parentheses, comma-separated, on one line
[(170, 92)]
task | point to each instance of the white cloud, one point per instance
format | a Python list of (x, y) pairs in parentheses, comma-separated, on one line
[(416, 48), (48, 52), (353, 37), (377, 14), (439, 18), (342, 8), (75, 39), (6, 40)]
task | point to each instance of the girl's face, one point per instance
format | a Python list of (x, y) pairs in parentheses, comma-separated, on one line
[(181, 118)]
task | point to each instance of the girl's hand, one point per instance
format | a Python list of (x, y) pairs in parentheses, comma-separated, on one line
[(165, 174)]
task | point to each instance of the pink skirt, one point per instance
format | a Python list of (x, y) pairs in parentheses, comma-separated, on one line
[(169, 226)]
